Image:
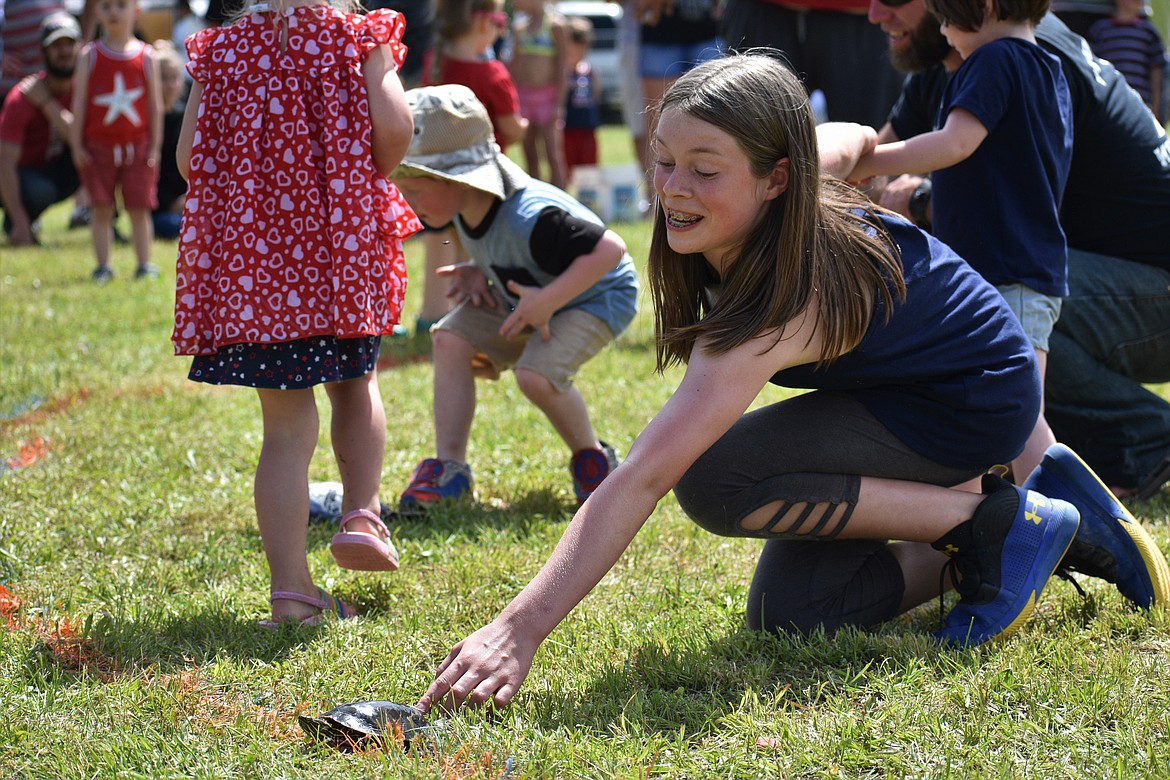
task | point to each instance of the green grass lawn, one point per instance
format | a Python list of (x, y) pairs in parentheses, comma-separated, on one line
[(134, 577)]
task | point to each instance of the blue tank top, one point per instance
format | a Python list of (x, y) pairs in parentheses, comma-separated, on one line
[(581, 110)]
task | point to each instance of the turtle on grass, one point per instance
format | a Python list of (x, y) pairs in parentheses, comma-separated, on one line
[(363, 724)]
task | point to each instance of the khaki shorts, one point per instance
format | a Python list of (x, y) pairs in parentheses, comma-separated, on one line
[(1036, 311), (576, 337)]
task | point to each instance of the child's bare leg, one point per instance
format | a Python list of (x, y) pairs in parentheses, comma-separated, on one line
[(565, 410), (441, 249), (454, 394), (531, 150), (1041, 438), (282, 493), (554, 150), (358, 431), (142, 233), (101, 227)]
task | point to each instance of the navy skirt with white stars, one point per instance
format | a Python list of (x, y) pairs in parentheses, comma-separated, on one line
[(289, 365)]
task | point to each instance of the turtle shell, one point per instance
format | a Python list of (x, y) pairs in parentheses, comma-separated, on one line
[(361, 724)]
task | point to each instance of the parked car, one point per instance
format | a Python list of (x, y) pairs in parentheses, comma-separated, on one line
[(603, 54)]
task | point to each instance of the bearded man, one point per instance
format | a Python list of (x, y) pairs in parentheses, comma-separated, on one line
[(36, 167), (1113, 334)]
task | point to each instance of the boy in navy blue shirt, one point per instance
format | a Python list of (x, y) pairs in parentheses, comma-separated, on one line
[(1000, 160)]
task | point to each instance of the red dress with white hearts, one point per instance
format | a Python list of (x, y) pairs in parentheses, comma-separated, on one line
[(290, 234)]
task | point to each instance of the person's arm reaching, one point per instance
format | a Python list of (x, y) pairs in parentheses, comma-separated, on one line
[(956, 141), (491, 664)]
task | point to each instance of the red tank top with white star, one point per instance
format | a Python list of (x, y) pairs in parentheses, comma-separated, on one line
[(116, 110)]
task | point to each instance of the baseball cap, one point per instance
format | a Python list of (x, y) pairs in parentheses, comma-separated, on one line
[(453, 140), (59, 25)]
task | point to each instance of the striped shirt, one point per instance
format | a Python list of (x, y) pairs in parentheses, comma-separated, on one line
[(1134, 48), (20, 37)]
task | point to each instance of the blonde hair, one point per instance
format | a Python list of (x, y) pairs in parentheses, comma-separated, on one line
[(165, 53), (816, 245), (234, 10)]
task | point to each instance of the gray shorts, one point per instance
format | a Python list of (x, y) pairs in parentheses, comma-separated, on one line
[(1036, 311), (576, 337)]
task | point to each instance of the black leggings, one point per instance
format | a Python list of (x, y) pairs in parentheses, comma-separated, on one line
[(808, 453)]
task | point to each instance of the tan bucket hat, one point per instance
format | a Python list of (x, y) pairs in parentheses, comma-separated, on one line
[(453, 140)]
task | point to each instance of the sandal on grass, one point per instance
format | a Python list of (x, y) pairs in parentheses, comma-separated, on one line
[(328, 604), (364, 551)]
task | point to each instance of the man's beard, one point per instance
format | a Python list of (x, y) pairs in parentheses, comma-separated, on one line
[(926, 49), (60, 71)]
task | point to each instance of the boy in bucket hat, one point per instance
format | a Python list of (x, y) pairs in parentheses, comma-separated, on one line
[(548, 288)]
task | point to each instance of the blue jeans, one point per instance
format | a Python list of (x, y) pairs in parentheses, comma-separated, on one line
[(42, 186), (167, 224), (1113, 334)]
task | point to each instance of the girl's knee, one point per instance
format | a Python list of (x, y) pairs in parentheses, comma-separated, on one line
[(702, 500)]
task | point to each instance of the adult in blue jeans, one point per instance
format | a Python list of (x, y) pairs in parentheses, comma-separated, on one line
[(36, 168), (1113, 334)]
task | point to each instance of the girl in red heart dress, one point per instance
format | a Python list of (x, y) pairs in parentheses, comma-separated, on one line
[(290, 265)]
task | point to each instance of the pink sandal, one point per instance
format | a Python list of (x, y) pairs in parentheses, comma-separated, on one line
[(327, 603), (364, 551)]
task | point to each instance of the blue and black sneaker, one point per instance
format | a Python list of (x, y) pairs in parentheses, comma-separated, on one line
[(1110, 543), (433, 481), (1001, 559)]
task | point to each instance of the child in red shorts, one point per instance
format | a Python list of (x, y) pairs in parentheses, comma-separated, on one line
[(583, 107), (117, 132)]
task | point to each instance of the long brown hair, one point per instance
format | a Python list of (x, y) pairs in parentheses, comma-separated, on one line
[(817, 240)]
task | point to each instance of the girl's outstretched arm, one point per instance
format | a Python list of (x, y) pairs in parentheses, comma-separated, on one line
[(491, 664), (390, 119), (955, 142)]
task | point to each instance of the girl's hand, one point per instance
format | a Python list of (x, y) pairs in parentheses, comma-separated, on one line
[(80, 156), (487, 666), (533, 311), (467, 283)]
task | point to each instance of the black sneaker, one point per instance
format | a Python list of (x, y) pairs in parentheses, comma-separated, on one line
[(81, 217), (1004, 556), (147, 271), (1153, 483), (102, 274)]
